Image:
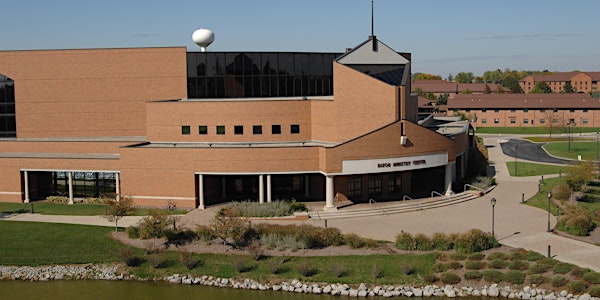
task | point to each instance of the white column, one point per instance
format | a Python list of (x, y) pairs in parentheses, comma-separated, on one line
[(448, 178), (269, 188), (70, 176), (329, 193), (306, 185), (201, 191), (26, 181), (261, 190), (118, 186)]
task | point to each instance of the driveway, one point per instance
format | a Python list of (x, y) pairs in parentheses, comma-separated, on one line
[(526, 150)]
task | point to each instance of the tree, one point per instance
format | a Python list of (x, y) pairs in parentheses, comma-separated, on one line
[(487, 89), (466, 91), (478, 79), (450, 77), (512, 82), (155, 224), (464, 77), (541, 87), (442, 99), (425, 76), (550, 117), (579, 175), (230, 227), (568, 88), (117, 209)]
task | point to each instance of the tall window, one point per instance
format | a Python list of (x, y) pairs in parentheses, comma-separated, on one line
[(354, 186), (8, 127)]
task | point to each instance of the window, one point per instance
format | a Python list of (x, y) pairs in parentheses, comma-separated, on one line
[(295, 128), (203, 129), (496, 110), (185, 129), (585, 110), (572, 110), (467, 110), (496, 121), (395, 183), (572, 121), (221, 129), (542, 121), (238, 129), (513, 121), (542, 110), (483, 110), (555, 110), (257, 129), (374, 184), (483, 121), (584, 121), (525, 109), (554, 121), (525, 121), (275, 129), (354, 186), (513, 110)]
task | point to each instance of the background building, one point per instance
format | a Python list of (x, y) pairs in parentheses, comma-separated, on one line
[(581, 82)]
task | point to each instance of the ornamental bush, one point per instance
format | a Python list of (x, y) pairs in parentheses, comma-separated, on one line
[(473, 275), (562, 268), (493, 276), (514, 277), (577, 287), (538, 279), (518, 265), (449, 278), (497, 264), (474, 265), (592, 277), (559, 281)]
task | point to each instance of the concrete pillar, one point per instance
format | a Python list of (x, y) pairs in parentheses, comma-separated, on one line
[(26, 181), (329, 193), (201, 191), (70, 176), (118, 186), (306, 185), (448, 179), (261, 189), (269, 188)]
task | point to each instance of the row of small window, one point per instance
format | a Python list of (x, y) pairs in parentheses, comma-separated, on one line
[(524, 110), (239, 129), (542, 121)]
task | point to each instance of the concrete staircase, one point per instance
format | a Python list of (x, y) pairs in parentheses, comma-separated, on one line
[(375, 209)]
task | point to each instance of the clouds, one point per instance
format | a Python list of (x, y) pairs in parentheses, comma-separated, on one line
[(529, 37)]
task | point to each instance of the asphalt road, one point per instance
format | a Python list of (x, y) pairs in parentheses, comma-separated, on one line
[(526, 150)]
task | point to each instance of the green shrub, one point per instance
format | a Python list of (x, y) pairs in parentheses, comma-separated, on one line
[(354, 241), (473, 275), (518, 254), (592, 277), (518, 265), (306, 269), (57, 199), (458, 256), (474, 265), (255, 250), (205, 233), (538, 279), (514, 277), (497, 264), (430, 278), (562, 268), (133, 232), (497, 256), (422, 242), (539, 268), (277, 208), (440, 267), (475, 240), (559, 281), (180, 237), (338, 270), (441, 242), (157, 259), (476, 256), (407, 268), (188, 260), (576, 221), (561, 192), (309, 236), (493, 276), (532, 256), (449, 278), (405, 241), (129, 257), (441, 256), (454, 265), (578, 272), (241, 265), (594, 291), (577, 287)]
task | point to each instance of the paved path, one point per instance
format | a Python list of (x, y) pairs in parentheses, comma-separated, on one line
[(516, 225)]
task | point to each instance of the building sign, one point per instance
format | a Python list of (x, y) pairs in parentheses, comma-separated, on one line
[(394, 164)]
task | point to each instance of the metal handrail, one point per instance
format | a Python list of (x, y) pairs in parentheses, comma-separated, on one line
[(406, 197), (371, 201), (435, 192), (466, 184)]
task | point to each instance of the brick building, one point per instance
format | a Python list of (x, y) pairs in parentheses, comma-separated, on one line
[(582, 82), (528, 110), (439, 87), (202, 128)]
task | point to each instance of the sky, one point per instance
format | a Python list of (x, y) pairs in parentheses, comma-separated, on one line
[(444, 37)]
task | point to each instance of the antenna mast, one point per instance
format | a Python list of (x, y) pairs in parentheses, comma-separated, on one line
[(373, 38)]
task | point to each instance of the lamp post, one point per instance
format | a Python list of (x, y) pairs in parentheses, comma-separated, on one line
[(597, 164), (516, 156), (493, 202), (549, 196)]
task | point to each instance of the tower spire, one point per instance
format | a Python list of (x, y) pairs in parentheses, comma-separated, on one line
[(372, 37)]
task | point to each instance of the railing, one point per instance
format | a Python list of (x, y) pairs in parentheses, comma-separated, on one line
[(383, 212), (406, 197), (371, 201), (465, 187), (434, 192)]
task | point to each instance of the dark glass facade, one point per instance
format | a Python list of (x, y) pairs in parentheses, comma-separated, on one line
[(8, 127), (259, 74)]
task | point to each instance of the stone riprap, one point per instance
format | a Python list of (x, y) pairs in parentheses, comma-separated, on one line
[(109, 272)]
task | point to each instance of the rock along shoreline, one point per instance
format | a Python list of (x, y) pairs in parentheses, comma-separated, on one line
[(110, 272)]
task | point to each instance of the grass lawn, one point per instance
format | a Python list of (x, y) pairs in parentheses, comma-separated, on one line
[(30, 243), (532, 169), (78, 209), (586, 149), (540, 200)]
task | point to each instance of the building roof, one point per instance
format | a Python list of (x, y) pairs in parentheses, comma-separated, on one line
[(558, 76), (505, 101), (444, 86)]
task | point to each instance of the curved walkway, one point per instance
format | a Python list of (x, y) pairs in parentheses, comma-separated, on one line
[(527, 150)]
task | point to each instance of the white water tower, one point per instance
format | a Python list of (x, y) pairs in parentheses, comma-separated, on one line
[(203, 37)]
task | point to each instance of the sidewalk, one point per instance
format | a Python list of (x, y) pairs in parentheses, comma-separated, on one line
[(83, 220)]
